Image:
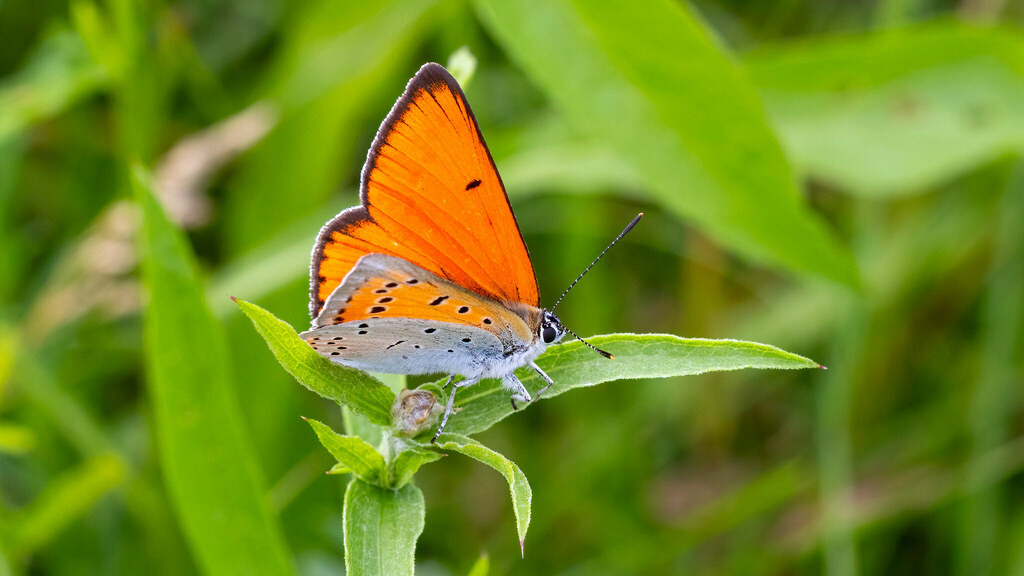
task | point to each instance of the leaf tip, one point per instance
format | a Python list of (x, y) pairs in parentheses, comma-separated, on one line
[(304, 419), (233, 299), (522, 547), (822, 367)]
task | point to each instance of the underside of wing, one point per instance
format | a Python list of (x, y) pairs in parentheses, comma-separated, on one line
[(407, 346), (432, 196), (382, 286)]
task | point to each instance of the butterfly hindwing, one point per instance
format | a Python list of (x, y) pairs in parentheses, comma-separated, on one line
[(405, 345), (382, 286), (430, 195)]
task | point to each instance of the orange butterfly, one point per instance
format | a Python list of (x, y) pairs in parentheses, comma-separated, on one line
[(430, 272)]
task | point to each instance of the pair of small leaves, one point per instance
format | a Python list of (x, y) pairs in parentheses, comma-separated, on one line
[(356, 456)]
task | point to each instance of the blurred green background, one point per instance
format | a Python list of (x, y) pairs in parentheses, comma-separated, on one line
[(841, 179)]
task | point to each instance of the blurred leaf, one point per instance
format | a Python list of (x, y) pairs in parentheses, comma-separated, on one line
[(408, 461), (518, 486), (573, 365), (335, 59), (381, 529), (209, 465), (991, 418), (650, 81), (65, 499), (461, 65), (897, 111), (97, 34), (353, 453), (16, 439), (481, 567), (548, 155), (348, 387), (58, 74), (275, 264)]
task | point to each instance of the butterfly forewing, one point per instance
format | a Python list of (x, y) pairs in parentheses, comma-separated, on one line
[(432, 196)]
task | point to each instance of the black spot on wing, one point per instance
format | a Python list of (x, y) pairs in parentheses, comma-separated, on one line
[(438, 300), (473, 184), (463, 309)]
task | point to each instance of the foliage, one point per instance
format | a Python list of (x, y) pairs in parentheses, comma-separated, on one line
[(839, 179)]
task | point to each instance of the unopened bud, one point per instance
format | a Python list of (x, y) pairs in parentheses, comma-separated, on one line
[(413, 412)]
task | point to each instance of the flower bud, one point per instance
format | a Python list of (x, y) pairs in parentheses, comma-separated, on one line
[(413, 412)]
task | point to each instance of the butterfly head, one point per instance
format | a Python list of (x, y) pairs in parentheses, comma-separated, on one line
[(551, 329)]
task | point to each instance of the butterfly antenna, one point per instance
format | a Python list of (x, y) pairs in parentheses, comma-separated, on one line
[(607, 355), (580, 277)]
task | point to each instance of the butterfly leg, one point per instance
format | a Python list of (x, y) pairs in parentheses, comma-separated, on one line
[(519, 392), (542, 375), (451, 403)]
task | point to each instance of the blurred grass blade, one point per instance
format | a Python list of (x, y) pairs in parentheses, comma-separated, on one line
[(64, 500), (991, 417), (348, 387), (381, 529), (334, 60), (852, 115), (572, 365), (16, 440), (353, 453), (58, 74), (647, 78), (408, 461), (518, 486), (209, 465), (481, 567)]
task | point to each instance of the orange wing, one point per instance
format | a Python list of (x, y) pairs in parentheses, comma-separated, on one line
[(430, 194), (382, 286)]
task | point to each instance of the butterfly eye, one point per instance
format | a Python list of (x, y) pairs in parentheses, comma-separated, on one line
[(549, 334)]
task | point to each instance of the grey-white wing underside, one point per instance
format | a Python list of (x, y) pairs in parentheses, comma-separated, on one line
[(407, 346)]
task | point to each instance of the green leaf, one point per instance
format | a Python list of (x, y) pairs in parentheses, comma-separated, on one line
[(573, 365), (209, 464), (522, 495), (408, 461), (323, 105), (339, 468), (648, 79), (64, 500), (346, 386), (353, 453), (852, 115), (481, 567), (58, 73), (381, 529)]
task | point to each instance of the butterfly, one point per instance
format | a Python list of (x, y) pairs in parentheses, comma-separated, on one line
[(430, 273)]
